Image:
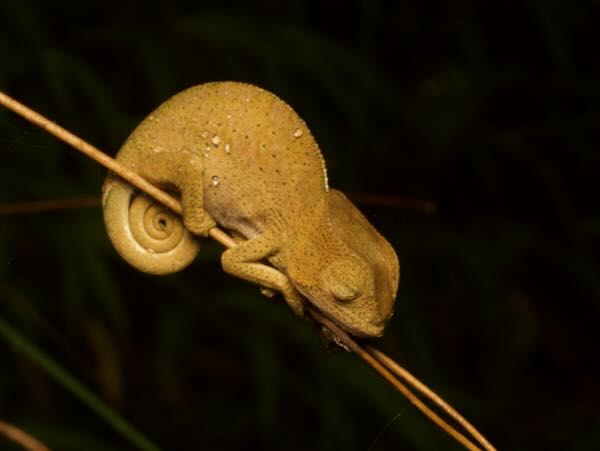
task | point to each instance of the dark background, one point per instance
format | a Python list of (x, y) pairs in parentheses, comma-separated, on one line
[(491, 111)]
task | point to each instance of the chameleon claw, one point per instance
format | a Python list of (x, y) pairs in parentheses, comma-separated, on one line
[(267, 292)]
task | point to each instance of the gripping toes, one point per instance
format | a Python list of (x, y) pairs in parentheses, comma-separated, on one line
[(242, 261), (198, 224)]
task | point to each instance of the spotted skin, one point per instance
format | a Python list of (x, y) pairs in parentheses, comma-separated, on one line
[(242, 159)]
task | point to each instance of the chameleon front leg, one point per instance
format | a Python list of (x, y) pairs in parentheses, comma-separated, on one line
[(242, 261)]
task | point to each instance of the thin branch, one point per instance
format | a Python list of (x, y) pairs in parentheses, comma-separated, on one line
[(109, 163), (405, 375), (376, 361), (42, 206), (21, 437), (378, 366), (90, 151)]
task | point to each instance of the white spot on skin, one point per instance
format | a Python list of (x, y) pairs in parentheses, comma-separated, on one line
[(215, 140), (297, 133), (215, 180), (227, 148)]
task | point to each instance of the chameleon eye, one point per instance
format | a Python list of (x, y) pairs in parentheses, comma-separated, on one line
[(345, 292), (344, 278)]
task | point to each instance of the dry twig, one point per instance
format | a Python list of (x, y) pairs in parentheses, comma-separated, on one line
[(42, 206), (19, 436)]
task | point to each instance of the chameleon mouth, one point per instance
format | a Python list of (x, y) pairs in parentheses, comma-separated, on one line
[(355, 324)]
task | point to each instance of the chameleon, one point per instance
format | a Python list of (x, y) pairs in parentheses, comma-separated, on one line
[(241, 158)]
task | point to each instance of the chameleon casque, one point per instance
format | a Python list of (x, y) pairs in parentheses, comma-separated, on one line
[(241, 158)]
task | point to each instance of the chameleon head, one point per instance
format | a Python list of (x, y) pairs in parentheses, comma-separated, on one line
[(357, 273)]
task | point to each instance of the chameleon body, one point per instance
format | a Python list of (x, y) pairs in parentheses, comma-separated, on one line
[(242, 159)]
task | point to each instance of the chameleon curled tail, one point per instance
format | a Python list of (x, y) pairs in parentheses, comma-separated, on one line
[(154, 240)]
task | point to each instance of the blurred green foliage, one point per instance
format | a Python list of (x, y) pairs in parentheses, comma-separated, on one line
[(490, 110)]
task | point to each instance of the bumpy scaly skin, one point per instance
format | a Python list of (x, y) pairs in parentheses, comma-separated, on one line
[(242, 158)]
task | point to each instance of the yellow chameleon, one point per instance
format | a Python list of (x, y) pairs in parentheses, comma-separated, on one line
[(242, 159)]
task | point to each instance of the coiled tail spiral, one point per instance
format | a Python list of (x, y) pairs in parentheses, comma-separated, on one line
[(146, 234)]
